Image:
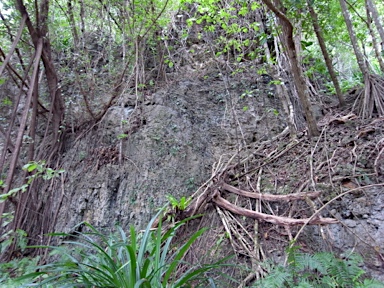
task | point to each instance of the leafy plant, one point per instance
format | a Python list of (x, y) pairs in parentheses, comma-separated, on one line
[(147, 259), (9, 271), (274, 111), (18, 266), (322, 269), (122, 136), (39, 169), (181, 204), (6, 101)]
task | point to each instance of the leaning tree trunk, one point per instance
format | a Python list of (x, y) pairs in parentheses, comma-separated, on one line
[(324, 51), (30, 202), (375, 15), (359, 55), (372, 14), (297, 71), (375, 44), (281, 90), (371, 100)]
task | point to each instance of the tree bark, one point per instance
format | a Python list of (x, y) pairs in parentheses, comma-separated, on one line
[(375, 15), (73, 24), (281, 90), (375, 45), (324, 51), (297, 71), (41, 32), (370, 14), (359, 55), (270, 197), (277, 220), (23, 124)]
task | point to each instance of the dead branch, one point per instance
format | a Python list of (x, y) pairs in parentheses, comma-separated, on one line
[(270, 197)]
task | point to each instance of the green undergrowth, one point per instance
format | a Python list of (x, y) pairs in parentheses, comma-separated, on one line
[(154, 258), (322, 269), (137, 259)]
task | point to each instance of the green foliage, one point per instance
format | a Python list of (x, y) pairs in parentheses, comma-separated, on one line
[(147, 259), (19, 237), (318, 270), (275, 82), (345, 85), (16, 267), (246, 93), (181, 204), (39, 170), (6, 101), (231, 24), (10, 271), (122, 136), (273, 111)]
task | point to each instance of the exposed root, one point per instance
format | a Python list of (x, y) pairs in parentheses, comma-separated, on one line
[(283, 221), (370, 100), (264, 196)]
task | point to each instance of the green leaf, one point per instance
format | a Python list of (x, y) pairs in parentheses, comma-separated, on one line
[(180, 254), (122, 136), (31, 166), (254, 5)]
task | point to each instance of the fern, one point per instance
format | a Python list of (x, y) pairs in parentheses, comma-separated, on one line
[(318, 270), (370, 283), (278, 278)]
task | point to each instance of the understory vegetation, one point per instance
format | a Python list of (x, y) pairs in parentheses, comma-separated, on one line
[(322, 269), (312, 68), (151, 258)]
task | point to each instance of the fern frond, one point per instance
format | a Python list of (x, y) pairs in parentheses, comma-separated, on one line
[(321, 270), (370, 283), (279, 277)]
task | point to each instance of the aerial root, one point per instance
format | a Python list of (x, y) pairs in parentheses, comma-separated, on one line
[(371, 99)]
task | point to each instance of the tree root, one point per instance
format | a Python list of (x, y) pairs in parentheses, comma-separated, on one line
[(277, 220)]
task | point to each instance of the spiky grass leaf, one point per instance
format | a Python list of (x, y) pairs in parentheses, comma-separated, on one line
[(139, 260), (180, 254)]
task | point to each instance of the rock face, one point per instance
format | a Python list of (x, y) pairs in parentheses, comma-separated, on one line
[(363, 228), (121, 171), (168, 146)]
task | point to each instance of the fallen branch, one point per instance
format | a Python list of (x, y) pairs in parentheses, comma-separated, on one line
[(282, 221), (270, 197)]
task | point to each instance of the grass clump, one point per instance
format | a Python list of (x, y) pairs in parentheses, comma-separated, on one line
[(147, 259)]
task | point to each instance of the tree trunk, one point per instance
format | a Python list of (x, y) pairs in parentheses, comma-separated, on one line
[(27, 203), (375, 45), (73, 24), (324, 51), (281, 90), (297, 71), (23, 125), (56, 114), (359, 55), (370, 15), (375, 15)]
